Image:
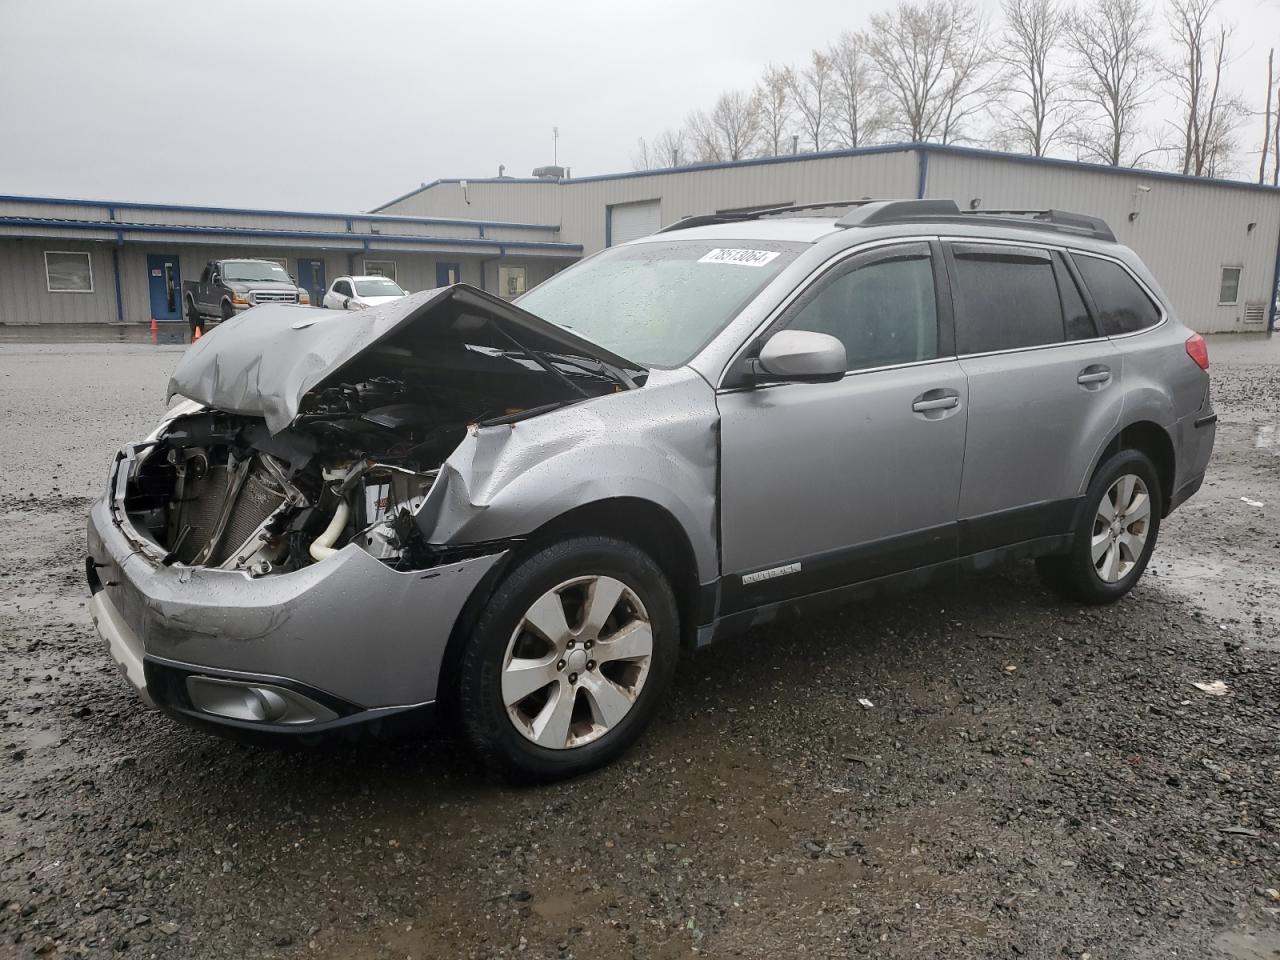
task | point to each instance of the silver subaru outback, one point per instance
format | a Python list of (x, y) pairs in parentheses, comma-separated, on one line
[(518, 515)]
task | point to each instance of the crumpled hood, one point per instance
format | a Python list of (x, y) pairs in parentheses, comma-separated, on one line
[(264, 361)]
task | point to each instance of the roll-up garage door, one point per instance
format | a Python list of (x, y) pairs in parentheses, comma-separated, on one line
[(626, 221)]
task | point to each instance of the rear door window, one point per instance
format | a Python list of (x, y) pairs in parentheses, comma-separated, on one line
[(881, 305), (1006, 298), (1123, 306)]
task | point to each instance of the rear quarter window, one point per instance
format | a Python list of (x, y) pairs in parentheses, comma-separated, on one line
[(1123, 306)]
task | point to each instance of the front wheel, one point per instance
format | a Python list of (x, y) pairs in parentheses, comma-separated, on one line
[(1115, 534), (569, 661)]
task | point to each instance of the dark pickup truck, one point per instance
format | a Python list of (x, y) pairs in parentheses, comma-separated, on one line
[(228, 286)]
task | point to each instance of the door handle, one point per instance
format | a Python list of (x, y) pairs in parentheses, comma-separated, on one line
[(1094, 374), (938, 403)]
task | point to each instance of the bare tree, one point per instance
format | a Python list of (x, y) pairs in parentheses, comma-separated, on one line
[(641, 156), (700, 134), (1114, 74), (668, 148), (777, 110), (853, 107), (811, 90), (735, 120), (1033, 32), (1210, 114), (932, 64), (1266, 118)]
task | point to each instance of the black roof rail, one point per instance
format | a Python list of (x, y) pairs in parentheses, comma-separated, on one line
[(895, 211), (1063, 220), (737, 216), (867, 212)]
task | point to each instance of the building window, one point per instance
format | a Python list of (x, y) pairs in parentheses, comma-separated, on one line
[(380, 268), (1229, 287), (511, 281), (68, 271)]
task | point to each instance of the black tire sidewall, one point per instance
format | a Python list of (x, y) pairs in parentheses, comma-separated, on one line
[(481, 712), (1084, 574)]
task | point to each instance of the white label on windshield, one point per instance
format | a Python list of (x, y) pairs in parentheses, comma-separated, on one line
[(746, 258)]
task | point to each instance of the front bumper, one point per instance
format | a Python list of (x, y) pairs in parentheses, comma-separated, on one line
[(338, 641)]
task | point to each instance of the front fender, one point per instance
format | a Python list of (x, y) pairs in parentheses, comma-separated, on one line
[(658, 444)]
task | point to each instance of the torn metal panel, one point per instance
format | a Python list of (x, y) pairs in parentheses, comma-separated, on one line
[(507, 480)]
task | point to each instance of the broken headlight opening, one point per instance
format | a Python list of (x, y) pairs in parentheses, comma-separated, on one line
[(217, 490)]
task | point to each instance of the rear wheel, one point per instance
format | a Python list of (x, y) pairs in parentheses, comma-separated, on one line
[(1115, 534), (569, 661)]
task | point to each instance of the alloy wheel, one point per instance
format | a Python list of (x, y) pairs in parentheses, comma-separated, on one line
[(1120, 528), (576, 662)]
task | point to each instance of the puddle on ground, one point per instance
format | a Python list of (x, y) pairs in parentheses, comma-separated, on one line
[(1248, 946), (1267, 437)]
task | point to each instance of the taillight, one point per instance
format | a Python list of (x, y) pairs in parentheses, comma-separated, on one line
[(1198, 351)]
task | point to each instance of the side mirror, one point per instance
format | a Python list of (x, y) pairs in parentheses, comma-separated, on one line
[(346, 303), (802, 355)]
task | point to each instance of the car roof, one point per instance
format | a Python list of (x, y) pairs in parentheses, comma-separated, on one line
[(860, 220), (795, 229)]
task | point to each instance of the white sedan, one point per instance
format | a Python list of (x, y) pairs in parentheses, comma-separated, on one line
[(356, 293)]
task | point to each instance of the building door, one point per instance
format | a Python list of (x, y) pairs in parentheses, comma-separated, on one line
[(447, 274), (164, 282), (311, 278), (627, 221)]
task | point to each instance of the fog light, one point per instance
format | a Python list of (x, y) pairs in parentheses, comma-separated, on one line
[(254, 702)]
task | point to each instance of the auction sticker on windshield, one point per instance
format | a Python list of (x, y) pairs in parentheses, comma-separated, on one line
[(745, 258)]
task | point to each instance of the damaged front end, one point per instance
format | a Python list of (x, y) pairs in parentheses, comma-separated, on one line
[(263, 560), (374, 407)]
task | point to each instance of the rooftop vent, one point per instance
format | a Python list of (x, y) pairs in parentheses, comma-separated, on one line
[(549, 173)]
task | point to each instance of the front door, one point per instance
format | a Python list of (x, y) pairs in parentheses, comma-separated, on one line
[(164, 283), (311, 278), (447, 274), (829, 484)]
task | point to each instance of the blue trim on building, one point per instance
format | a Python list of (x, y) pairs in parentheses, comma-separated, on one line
[(922, 174), (120, 228), (111, 206), (115, 269), (1275, 282)]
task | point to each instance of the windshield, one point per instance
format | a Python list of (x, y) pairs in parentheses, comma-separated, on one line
[(253, 270), (378, 287), (659, 303)]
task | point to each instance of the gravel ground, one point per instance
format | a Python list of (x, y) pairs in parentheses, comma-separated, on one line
[(1033, 779)]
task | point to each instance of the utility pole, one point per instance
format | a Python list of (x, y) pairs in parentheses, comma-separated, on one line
[(555, 146)]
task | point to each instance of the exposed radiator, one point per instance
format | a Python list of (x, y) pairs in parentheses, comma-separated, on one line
[(260, 496)]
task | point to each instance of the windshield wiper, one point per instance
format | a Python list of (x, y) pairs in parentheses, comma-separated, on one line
[(598, 367), (539, 358)]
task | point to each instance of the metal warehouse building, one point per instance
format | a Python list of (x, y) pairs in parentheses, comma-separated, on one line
[(77, 261), (1214, 244)]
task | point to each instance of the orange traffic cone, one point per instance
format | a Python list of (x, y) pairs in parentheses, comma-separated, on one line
[(195, 336), (154, 326)]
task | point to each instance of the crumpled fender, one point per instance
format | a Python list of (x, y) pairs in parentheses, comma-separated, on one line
[(658, 443)]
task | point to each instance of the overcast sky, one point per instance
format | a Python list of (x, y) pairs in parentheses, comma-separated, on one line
[(316, 105)]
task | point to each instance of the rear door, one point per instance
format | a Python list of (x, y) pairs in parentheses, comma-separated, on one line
[(828, 484), (1044, 391)]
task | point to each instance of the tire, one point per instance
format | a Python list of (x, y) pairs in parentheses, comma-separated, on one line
[(587, 712), (1091, 573), (228, 311)]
